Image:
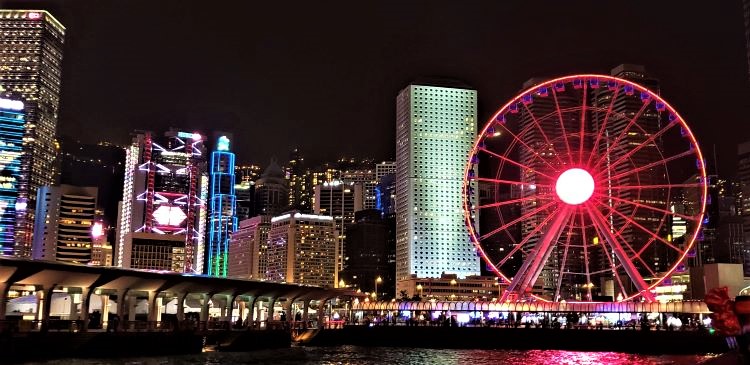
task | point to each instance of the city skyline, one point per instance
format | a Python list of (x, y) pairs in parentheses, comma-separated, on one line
[(266, 69)]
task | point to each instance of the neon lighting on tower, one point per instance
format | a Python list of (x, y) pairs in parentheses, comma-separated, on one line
[(12, 123), (222, 220)]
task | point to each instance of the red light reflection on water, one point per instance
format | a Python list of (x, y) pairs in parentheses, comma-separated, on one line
[(559, 357)]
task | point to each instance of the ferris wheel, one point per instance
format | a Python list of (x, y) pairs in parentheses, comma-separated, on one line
[(585, 188)]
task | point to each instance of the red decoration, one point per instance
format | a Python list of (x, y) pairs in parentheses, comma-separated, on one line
[(724, 317)]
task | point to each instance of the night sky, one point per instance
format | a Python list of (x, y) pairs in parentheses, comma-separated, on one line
[(324, 75)]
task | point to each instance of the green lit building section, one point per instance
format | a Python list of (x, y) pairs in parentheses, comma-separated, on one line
[(435, 129)]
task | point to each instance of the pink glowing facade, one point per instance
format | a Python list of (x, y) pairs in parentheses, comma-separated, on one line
[(161, 225), (582, 173)]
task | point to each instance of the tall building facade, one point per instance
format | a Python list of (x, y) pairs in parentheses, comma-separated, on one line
[(222, 219), (248, 257), (63, 226), (371, 254), (339, 200), (435, 128), (302, 249), (31, 54), (743, 178), (271, 191), (12, 126), (299, 182), (95, 164), (385, 168), (163, 211)]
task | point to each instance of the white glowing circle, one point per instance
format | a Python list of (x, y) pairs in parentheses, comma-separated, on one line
[(575, 186)]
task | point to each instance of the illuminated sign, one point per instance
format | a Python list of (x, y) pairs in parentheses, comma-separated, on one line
[(222, 144), (167, 215), (193, 136), (35, 16), (11, 104)]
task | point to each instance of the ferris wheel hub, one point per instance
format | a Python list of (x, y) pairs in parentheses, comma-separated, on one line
[(575, 186)]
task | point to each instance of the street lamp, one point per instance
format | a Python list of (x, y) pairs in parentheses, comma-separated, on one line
[(377, 281)]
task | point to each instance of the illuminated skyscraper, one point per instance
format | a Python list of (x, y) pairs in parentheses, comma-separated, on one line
[(12, 125), (31, 53), (435, 128), (302, 249), (340, 200), (63, 225), (162, 220), (299, 182), (248, 248), (222, 220)]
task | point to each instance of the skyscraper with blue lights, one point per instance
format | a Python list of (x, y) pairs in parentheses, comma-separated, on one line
[(222, 219), (12, 126)]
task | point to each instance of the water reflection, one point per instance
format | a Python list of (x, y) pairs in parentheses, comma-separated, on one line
[(345, 355)]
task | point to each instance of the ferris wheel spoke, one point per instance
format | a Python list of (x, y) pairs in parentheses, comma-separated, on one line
[(650, 165), (622, 134), (641, 145), (519, 246), (646, 230), (539, 255), (583, 130), (503, 158), (564, 261), (517, 220), (512, 182), (512, 201), (544, 135), (655, 186), (601, 224), (585, 254), (562, 125), (532, 150), (603, 127), (649, 207), (612, 266)]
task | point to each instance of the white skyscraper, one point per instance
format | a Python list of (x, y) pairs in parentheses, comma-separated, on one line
[(435, 129)]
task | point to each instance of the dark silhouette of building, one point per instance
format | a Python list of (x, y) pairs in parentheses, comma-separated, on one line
[(370, 253), (100, 165), (271, 191)]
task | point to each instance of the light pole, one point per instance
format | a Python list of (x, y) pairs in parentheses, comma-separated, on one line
[(377, 281)]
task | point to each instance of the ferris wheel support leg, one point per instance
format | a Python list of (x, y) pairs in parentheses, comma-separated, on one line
[(619, 252), (529, 272)]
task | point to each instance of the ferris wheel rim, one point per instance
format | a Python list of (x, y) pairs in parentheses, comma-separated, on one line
[(585, 79)]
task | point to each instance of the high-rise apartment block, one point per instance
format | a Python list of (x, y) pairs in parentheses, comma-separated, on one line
[(31, 53), (436, 124), (162, 220), (385, 168), (248, 258), (302, 249), (222, 218), (340, 200), (12, 126), (64, 220)]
